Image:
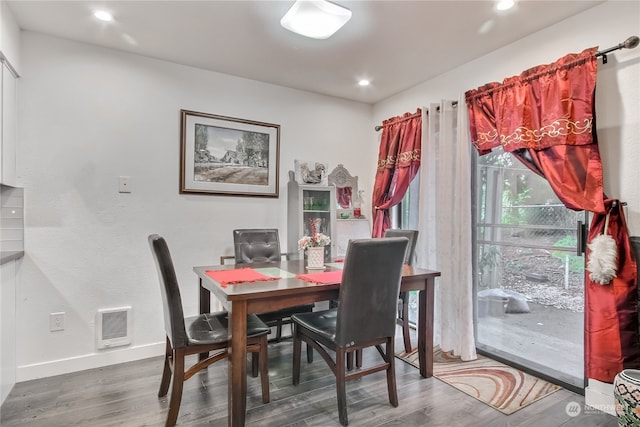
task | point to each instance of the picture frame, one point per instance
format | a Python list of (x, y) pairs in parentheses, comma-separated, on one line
[(228, 156)]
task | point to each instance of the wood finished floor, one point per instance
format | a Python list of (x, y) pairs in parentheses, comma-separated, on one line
[(126, 395)]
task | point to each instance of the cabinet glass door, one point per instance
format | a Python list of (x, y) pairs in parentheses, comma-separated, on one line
[(316, 205)]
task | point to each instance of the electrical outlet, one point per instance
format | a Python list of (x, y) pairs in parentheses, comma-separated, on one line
[(56, 321)]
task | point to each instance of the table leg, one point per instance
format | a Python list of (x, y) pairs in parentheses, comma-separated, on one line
[(205, 299), (426, 302), (237, 398), (205, 307)]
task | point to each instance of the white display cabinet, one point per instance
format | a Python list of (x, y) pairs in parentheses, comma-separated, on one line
[(309, 203)]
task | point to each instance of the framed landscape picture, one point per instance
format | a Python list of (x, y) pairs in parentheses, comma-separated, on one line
[(228, 156)]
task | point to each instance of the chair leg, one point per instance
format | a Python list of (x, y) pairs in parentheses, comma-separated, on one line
[(391, 373), (279, 330), (358, 354), (166, 372), (405, 323), (255, 364), (309, 354), (341, 386), (297, 350), (264, 369), (176, 389)]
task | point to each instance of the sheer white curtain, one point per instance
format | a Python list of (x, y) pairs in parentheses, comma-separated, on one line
[(444, 223)]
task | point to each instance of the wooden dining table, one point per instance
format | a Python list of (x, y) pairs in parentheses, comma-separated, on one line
[(288, 291)]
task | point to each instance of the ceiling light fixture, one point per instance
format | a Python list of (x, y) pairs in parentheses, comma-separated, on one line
[(318, 19), (364, 82), (103, 15), (505, 4)]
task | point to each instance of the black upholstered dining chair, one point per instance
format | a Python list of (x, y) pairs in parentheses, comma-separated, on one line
[(204, 333), (402, 318), (365, 317), (403, 300), (253, 245)]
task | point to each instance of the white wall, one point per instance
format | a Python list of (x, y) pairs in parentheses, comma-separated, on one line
[(617, 93), (89, 115)]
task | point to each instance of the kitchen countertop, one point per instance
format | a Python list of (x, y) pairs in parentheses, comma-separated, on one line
[(6, 256)]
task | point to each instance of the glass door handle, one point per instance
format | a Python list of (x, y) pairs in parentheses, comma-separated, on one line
[(581, 233)]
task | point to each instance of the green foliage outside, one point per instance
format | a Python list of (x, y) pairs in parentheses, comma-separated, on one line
[(488, 260), (576, 263), (510, 213)]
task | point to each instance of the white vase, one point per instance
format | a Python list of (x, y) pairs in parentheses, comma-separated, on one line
[(315, 257), (626, 389)]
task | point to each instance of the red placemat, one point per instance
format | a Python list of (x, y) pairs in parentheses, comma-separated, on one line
[(239, 275), (327, 277)]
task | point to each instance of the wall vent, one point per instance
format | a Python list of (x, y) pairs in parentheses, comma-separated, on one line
[(113, 327)]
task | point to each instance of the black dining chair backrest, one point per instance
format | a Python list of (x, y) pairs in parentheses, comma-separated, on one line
[(365, 317), (370, 286), (403, 300), (171, 299), (256, 245), (412, 235), (262, 245)]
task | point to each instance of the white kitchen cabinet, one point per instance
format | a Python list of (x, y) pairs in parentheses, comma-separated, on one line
[(7, 328), (9, 126)]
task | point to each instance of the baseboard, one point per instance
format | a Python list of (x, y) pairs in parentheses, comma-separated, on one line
[(88, 361), (599, 395)]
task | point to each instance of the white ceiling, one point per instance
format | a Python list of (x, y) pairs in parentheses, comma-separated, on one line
[(396, 44)]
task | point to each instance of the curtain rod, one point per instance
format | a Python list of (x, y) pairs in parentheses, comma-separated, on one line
[(629, 43), (401, 119), (454, 104)]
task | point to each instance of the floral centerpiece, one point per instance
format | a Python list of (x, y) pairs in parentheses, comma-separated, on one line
[(314, 246), (315, 240)]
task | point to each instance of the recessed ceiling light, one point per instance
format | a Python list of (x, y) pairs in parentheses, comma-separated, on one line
[(318, 19), (364, 82), (103, 15), (505, 4)]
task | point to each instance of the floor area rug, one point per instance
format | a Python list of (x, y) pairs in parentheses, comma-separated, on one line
[(498, 385)]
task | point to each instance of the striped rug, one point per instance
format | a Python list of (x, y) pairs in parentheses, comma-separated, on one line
[(498, 385)]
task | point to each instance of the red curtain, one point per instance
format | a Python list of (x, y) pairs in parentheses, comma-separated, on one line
[(546, 114), (611, 340), (574, 173), (398, 164), (546, 118)]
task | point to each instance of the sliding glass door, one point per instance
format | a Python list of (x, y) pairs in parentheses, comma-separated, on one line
[(529, 280)]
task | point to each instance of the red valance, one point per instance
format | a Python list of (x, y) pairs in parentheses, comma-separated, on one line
[(545, 106), (545, 117)]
